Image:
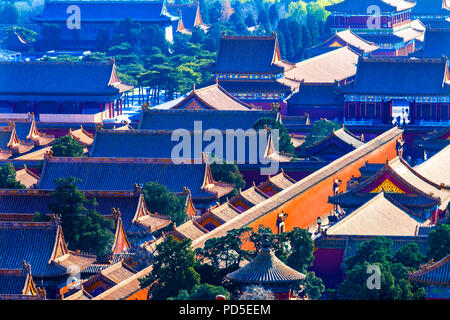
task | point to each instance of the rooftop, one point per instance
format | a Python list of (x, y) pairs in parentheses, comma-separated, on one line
[(380, 216), (210, 119), (401, 76), (59, 79), (248, 54), (336, 65)]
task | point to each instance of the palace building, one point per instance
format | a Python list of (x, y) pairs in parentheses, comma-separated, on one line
[(102, 16), (18, 284), (250, 68), (59, 92), (406, 185), (386, 23), (42, 245), (420, 86), (345, 38)]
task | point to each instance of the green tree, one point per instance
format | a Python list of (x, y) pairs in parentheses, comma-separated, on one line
[(377, 250), (439, 242), (67, 146), (84, 229), (313, 286), (284, 140), (173, 270), (204, 291), (161, 200), (409, 256), (320, 131), (394, 284), (8, 178), (228, 173)]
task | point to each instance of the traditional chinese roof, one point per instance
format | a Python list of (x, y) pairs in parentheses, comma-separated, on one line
[(190, 16), (105, 279), (336, 65), (211, 97), (436, 168), (189, 230), (125, 288), (82, 136), (210, 119), (224, 212), (265, 269), (10, 142), (317, 94), (381, 216), (430, 8), (360, 6), (107, 11), (334, 145), (160, 145), (281, 180), (28, 131), (401, 76), (27, 177), (50, 79), (248, 54), (18, 284), (412, 201), (345, 38), (435, 273), (120, 174), (42, 245), (398, 177)]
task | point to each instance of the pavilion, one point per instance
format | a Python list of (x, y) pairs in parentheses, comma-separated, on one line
[(267, 271)]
